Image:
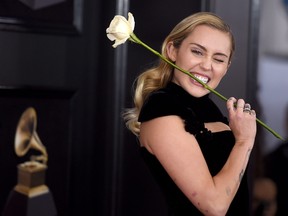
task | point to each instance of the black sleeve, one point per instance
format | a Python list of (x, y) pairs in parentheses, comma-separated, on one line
[(161, 104)]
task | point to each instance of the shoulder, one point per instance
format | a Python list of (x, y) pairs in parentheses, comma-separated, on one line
[(160, 103)]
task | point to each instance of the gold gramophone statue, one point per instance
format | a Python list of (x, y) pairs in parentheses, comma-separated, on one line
[(30, 196)]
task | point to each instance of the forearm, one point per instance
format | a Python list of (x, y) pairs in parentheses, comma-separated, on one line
[(228, 180)]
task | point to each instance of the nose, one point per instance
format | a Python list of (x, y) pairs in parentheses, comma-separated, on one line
[(206, 64)]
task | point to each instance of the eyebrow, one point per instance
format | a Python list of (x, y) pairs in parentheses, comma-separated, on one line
[(202, 47)]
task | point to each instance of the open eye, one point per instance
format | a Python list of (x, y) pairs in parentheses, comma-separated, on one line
[(197, 52)]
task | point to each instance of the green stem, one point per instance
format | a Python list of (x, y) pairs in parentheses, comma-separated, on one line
[(135, 39)]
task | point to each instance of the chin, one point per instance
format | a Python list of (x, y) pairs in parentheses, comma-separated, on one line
[(199, 94)]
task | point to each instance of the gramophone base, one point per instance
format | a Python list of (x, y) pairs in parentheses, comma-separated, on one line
[(19, 204)]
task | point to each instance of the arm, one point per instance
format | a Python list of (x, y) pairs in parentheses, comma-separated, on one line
[(181, 156)]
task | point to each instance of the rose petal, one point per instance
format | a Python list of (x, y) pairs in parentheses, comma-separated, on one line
[(131, 21), (120, 29)]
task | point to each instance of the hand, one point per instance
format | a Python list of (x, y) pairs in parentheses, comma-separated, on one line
[(242, 120)]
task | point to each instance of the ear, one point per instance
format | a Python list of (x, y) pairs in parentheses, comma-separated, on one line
[(229, 63), (171, 51)]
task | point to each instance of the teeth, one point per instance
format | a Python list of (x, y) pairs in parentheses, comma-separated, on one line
[(203, 79)]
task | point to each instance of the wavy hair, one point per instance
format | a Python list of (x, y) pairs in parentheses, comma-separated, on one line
[(161, 74)]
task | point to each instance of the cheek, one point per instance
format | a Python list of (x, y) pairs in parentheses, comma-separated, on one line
[(222, 75), (182, 58), (178, 76), (184, 62), (219, 75), (221, 71)]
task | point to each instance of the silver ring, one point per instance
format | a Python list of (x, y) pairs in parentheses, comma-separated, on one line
[(247, 108)]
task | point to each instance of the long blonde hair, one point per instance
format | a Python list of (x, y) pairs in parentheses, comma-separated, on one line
[(160, 75)]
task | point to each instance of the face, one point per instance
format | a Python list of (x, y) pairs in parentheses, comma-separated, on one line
[(205, 54)]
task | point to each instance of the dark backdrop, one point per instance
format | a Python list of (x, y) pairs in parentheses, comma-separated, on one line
[(94, 165)]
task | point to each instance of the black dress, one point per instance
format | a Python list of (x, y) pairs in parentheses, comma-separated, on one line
[(216, 147)]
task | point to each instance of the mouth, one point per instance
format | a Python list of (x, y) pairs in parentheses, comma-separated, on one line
[(204, 79)]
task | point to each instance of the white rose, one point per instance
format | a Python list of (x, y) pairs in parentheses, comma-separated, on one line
[(120, 29)]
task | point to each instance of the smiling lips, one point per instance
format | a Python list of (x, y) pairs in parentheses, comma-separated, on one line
[(204, 79)]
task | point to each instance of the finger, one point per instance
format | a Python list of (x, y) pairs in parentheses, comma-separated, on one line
[(240, 105), (231, 103), (252, 112)]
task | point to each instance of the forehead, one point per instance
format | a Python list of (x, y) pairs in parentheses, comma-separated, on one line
[(210, 38)]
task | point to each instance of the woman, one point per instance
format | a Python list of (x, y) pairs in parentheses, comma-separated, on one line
[(196, 156)]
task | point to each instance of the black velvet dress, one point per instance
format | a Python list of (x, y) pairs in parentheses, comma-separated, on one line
[(216, 147)]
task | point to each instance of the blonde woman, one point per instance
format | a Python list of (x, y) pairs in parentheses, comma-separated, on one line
[(195, 154)]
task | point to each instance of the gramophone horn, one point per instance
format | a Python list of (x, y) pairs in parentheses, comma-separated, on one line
[(26, 135)]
